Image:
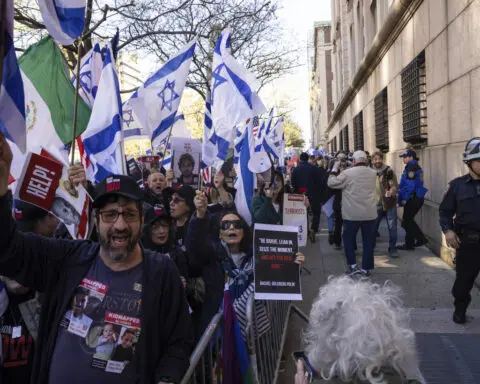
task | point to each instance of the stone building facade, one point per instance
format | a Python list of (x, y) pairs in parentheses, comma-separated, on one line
[(321, 85), (408, 74)]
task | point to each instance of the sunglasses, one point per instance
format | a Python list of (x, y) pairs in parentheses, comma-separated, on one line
[(176, 200), (237, 224)]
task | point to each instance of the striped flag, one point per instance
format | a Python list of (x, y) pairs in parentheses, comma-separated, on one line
[(156, 103), (64, 19), (12, 98), (256, 126), (234, 97), (104, 131), (269, 125)]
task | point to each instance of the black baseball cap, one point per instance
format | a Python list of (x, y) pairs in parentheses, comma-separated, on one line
[(24, 211), (154, 213), (409, 153), (116, 185)]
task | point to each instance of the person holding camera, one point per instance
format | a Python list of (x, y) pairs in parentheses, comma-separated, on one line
[(462, 201)]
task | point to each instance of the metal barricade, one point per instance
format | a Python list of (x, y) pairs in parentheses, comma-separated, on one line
[(266, 350), (205, 365)]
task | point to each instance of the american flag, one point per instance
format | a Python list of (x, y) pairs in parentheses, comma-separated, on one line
[(256, 126)]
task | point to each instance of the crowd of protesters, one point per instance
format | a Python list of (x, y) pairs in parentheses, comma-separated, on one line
[(129, 304)]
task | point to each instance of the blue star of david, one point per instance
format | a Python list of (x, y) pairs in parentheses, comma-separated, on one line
[(128, 117), (86, 80), (167, 102), (217, 79)]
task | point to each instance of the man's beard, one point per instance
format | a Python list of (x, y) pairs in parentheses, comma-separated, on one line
[(117, 254)]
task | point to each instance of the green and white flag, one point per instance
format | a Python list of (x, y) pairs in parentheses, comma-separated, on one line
[(49, 99)]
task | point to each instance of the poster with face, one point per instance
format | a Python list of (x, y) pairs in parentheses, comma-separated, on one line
[(44, 182), (186, 161)]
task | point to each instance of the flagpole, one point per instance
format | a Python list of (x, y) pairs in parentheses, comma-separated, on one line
[(166, 145), (75, 107), (2, 39)]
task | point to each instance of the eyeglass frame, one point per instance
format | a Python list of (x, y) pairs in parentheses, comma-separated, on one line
[(118, 214)]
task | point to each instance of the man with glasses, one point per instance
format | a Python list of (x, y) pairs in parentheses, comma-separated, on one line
[(127, 286)]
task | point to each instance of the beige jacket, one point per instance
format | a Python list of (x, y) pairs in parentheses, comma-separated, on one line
[(358, 192)]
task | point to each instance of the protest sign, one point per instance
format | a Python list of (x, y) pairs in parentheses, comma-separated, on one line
[(134, 171), (146, 164), (277, 277), (295, 214), (186, 161), (44, 182)]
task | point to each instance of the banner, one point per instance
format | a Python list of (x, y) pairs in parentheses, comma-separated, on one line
[(146, 164), (295, 214), (134, 171), (277, 277), (186, 161), (44, 182)]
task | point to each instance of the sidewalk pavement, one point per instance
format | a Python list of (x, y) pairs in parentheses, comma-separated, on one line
[(426, 282)]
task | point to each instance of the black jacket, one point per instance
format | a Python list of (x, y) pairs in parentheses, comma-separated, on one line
[(57, 267), (313, 179)]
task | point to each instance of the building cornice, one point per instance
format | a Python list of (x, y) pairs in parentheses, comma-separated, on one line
[(401, 12)]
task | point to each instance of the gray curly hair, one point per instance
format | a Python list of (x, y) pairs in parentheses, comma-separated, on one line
[(357, 329)]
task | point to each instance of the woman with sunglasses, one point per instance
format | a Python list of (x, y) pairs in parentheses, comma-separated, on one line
[(232, 246)]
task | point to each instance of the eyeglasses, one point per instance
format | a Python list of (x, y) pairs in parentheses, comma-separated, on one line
[(176, 200), (237, 224), (130, 216)]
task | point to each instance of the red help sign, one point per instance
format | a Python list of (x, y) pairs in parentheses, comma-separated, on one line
[(40, 181)]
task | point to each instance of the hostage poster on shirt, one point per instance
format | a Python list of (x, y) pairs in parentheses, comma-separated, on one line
[(277, 277)]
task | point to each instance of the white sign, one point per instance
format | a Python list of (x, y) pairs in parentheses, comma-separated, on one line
[(295, 214)]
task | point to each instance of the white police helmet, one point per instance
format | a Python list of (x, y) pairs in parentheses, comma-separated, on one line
[(472, 150)]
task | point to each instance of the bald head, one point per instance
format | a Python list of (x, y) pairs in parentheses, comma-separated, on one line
[(157, 182)]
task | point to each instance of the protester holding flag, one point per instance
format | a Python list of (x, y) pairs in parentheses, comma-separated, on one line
[(116, 268)]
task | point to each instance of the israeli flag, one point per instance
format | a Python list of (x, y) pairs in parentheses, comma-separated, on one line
[(209, 149), (269, 125), (245, 182), (12, 98), (274, 143), (64, 19), (155, 103), (234, 99), (104, 130), (90, 71)]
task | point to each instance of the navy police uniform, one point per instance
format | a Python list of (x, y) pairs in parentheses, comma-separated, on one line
[(412, 192), (462, 201)]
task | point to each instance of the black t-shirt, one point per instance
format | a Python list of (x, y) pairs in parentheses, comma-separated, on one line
[(98, 334), (17, 343)]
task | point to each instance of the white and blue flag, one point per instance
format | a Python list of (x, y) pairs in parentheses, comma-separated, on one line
[(104, 130), (274, 143), (155, 104), (234, 99), (12, 98), (90, 71), (245, 182), (64, 19), (209, 149), (270, 120)]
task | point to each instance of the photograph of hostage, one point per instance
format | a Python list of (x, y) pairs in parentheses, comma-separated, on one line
[(124, 350), (79, 321), (65, 211), (186, 165), (106, 342)]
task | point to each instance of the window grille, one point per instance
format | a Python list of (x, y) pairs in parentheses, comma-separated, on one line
[(346, 144), (414, 101), (381, 120), (358, 132)]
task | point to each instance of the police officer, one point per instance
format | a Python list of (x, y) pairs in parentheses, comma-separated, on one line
[(411, 195), (462, 201)]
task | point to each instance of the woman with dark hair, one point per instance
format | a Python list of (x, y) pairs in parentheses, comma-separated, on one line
[(233, 250), (158, 235), (267, 206)]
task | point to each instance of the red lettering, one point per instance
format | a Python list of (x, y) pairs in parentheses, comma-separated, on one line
[(275, 266), (16, 351)]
